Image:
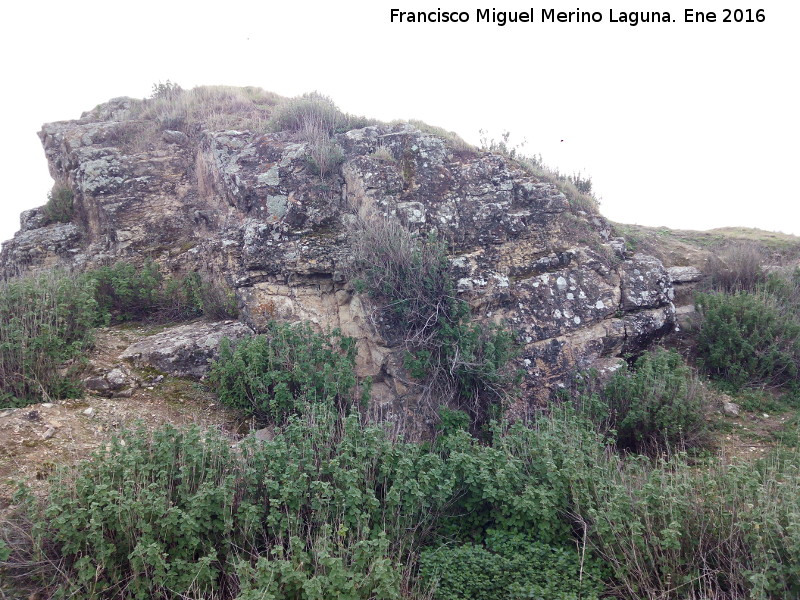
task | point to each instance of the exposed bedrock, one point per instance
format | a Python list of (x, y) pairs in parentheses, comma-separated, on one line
[(247, 207)]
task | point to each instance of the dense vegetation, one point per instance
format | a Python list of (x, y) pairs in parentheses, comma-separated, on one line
[(411, 280), (46, 325), (657, 404), (48, 320), (752, 337), (286, 369), (333, 507), (616, 491)]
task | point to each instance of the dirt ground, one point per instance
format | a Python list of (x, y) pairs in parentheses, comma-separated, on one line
[(36, 438)]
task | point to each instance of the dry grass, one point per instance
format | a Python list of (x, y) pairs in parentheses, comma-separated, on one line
[(214, 107), (309, 110), (578, 199), (383, 154), (738, 267), (783, 244), (451, 137)]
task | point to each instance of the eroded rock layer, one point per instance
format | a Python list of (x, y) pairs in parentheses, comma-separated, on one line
[(247, 206)]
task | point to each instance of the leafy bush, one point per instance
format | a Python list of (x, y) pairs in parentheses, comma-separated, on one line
[(658, 403), (47, 321), (334, 508), (275, 374), (327, 507), (146, 516), (124, 291), (412, 279), (521, 482), (59, 207), (676, 529), (749, 338), (510, 566)]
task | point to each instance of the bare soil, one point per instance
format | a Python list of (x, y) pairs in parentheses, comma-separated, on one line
[(37, 438)]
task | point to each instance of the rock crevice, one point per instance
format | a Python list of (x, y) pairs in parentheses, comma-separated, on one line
[(247, 207)]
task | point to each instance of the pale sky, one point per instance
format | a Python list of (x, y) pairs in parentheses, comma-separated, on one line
[(684, 125)]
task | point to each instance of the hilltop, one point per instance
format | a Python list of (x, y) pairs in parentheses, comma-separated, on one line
[(290, 205), (311, 355)]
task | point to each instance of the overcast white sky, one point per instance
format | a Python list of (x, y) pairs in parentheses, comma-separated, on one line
[(683, 125)]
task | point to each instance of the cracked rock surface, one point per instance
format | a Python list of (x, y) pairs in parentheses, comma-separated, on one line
[(247, 207)]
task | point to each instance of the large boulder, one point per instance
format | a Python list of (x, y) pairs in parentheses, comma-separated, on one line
[(184, 350)]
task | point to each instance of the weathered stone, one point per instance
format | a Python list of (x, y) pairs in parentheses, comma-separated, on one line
[(32, 219), (246, 205), (267, 434), (117, 378), (115, 382), (184, 350), (730, 409), (175, 137), (684, 274)]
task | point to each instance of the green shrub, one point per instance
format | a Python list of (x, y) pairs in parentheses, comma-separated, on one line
[(509, 566), (59, 207), (521, 482), (749, 338), (125, 292), (193, 295), (179, 298), (659, 402), (46, 323), (334, 508), (275, 374), (329, 506), (674, 529), (412, 280), (476, 356), (451, 421), (148, 516)]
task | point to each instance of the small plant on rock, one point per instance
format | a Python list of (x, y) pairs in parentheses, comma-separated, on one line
[(60, 205), (274, 375)]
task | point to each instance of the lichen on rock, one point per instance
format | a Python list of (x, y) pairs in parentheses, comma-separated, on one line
[(247, 205)]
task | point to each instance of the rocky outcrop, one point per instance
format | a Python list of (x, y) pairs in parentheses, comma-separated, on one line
[(247, 206), (184, 350)]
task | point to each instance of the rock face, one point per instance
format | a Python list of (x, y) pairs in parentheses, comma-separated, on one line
[(248, 207), (185, 350)]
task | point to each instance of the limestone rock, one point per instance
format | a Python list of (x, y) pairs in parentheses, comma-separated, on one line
[(175, 137), (184, 350)]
